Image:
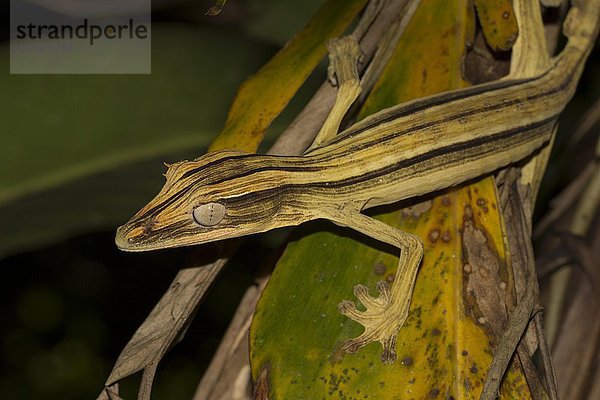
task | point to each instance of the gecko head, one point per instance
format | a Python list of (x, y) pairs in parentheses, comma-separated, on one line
[(218, 196)]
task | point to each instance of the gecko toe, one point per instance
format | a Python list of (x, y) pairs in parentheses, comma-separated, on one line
[(388, 355), (384, 290), (383, 287), (361, 291), (353, 345), (346, 306), (372, 304), (348, 309)]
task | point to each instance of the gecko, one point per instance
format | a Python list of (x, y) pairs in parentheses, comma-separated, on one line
[(404, 151)]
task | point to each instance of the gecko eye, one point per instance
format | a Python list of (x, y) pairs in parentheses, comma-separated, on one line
[(209, 214)]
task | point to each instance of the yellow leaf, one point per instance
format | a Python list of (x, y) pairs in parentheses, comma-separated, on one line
[(498, 23), (264, 95)]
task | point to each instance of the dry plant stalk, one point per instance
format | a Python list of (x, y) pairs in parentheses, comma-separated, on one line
[(572, 245)]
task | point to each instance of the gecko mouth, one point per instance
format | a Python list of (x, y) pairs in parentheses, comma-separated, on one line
[(134, 236), (144, 235)]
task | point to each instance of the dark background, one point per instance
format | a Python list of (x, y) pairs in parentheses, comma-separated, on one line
[(70, 299)]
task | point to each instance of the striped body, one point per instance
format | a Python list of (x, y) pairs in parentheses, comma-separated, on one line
[(398, 153)]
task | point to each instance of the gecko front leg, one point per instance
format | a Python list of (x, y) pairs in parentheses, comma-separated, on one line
[(344, 56), (384, 315)]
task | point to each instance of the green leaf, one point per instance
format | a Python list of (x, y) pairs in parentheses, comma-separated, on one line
[(73, 144), (59, 127)]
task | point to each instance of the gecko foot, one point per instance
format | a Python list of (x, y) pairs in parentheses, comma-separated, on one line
[(382, 319)]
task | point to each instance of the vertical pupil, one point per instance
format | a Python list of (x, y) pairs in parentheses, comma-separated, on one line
[(209, 214), (211, 208)]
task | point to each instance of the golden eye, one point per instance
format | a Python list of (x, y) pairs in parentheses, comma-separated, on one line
[(209, 214)]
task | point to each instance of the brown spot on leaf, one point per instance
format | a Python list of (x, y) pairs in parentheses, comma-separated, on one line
[(435, 332), (473, 369), (379, 269), (407, 361), (468, 213), (481, 202), (505, 15), (446, 201), (390, 278), (446, 236), (434, 235), (417, 209), (338, 353), (468, 384), (433, 393)]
